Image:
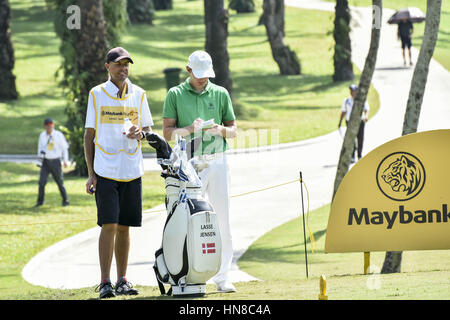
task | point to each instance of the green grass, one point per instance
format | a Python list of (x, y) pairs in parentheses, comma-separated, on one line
[(278, 259), (442, 50), (24, 238), (299, 107), (37, 59)]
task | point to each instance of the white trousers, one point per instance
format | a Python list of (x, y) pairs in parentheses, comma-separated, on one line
[(215, 187)]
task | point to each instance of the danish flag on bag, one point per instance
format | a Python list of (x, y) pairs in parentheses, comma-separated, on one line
[(208, 248)]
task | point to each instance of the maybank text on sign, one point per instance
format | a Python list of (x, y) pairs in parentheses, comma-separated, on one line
[(396, 198)]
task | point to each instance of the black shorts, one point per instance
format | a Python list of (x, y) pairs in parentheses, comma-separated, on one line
[(406, 42), (119, 202)]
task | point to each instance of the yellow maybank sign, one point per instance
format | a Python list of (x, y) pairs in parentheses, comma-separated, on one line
[(396, 198)]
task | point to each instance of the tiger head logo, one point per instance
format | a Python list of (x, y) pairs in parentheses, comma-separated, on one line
[(402, 176)]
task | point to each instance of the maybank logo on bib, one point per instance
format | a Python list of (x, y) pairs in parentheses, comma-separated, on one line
[(116, 115), (395, 198)]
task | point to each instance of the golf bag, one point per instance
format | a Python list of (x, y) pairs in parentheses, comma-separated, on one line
[(191, 249)]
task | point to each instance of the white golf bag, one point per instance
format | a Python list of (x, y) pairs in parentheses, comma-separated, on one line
[(191, 248)]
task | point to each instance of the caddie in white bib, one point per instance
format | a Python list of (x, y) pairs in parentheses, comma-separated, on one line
[(117, 118), (116, 156)]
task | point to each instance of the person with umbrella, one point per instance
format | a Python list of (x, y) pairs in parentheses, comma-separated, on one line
[(404, 33), (405, 19)]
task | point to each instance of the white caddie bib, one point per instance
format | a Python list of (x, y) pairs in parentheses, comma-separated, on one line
[(116, 156)]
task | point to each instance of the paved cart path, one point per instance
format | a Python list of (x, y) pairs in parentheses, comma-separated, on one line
[(73, 262)]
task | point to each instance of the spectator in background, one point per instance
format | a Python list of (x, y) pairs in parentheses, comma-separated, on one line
[(346, 111), (404, 33), (52, 147)]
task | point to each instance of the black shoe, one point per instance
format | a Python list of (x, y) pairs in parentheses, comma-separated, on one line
[(65, 203), (38, 204), (106, 290), (123, 287)]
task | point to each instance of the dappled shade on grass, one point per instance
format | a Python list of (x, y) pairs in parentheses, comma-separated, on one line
[(24, 230)]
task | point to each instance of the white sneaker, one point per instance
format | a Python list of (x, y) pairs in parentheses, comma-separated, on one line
[(225, 286)]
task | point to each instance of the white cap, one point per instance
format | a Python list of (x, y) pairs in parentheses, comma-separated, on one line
[(201, 64)]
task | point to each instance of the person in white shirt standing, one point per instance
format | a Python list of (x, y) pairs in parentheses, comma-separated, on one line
[(346, 111), (52, 147), (117, 118)]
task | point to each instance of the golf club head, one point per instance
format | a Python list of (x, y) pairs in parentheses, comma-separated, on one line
[(163, 150)]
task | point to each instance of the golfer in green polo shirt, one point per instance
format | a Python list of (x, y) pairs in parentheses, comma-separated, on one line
[(186, 107)]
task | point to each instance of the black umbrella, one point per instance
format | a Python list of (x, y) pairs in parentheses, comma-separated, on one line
[(412, 14)]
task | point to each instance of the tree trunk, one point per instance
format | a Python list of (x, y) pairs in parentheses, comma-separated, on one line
[(361, 96), (273, 19), (141, 11), (84, 55), (116, 17), (162, 4), (91, 48), (343, 68), (242, 6), (216, 26), (7, 80), (393, 260)]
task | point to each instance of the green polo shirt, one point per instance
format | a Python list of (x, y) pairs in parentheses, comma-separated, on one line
[(185, 104)]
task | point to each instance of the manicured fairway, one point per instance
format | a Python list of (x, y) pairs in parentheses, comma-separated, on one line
[(25, 231), (276, 258)]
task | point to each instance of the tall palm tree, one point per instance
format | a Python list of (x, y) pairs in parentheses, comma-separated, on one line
[(216, 27), (343, 68), (393, 259), (91, 47), (84, 53), (7, 79)]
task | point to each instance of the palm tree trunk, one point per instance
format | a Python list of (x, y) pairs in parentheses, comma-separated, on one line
[(273, 19), (141, 11), (91, 48), (343, 68), (361, 96), (7, 80), (242, 6), (216, 27), (393, 259), (162, 4)]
